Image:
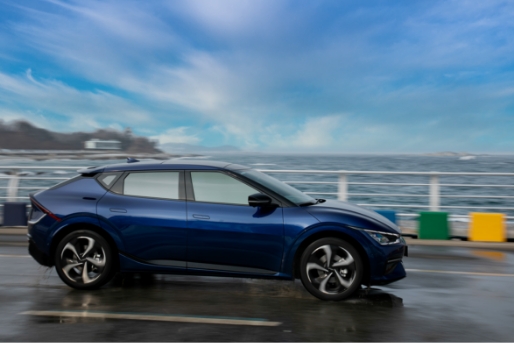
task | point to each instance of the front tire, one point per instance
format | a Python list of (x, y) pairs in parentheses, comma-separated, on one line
[(331, 269), (84, 260)]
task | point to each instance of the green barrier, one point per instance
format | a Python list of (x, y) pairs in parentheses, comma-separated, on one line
[(433, 225)]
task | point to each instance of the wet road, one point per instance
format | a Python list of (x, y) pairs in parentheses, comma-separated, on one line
[(450, 294)]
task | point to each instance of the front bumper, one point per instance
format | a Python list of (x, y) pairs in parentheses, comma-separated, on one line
[(387, 264)]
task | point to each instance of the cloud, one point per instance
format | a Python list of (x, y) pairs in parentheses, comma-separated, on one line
[(61, 104), (267, 74), (314, 133), (177, 135)]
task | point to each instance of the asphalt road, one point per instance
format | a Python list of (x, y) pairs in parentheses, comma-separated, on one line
[(450, 294)]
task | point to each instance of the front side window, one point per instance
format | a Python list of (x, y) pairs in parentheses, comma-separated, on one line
[(220, 188), (163, 185), (288, 192)]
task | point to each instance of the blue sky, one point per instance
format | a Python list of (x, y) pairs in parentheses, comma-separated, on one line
[(317, 76)]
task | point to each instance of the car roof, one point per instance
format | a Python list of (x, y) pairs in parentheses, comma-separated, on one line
[(193, 164)]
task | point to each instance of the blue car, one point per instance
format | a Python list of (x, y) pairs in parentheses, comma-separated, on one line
[(208, 218)]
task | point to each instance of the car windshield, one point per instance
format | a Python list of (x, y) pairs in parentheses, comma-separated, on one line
[(286, 191)]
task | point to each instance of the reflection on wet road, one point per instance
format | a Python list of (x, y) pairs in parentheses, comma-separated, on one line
[(450, 294)]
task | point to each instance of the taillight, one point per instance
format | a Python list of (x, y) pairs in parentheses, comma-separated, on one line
[(37, 205)]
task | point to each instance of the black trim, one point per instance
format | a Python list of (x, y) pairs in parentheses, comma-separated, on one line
[(203, 266), (222, 267), (181, 185), (168, 263), (190, 194), (162, 263), (117, 187)]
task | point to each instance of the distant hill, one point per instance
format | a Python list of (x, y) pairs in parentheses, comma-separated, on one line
[(24, 135), (190, 148)]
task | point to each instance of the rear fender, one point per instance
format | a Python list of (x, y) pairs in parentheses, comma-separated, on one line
[(76, 221)]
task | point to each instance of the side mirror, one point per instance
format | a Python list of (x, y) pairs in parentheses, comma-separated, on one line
[(259, 200)]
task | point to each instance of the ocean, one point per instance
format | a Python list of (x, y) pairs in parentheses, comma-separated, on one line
[(478, 163)]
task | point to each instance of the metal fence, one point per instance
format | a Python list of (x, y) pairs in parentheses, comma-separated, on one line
[(428, 195)]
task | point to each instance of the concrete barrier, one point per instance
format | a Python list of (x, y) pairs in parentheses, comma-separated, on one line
[(487, 227), (15, 214), (433, 225)]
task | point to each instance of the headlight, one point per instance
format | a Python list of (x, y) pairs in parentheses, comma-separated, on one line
[(384, 238)]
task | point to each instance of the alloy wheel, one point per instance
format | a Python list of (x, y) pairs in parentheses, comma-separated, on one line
[(331, 269), (83, 260)]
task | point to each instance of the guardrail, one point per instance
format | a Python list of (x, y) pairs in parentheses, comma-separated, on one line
[(434, 188), (343, 181)]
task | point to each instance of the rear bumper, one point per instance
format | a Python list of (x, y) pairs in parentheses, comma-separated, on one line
[(38, 255)]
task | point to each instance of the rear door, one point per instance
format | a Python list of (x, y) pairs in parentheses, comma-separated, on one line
[(224, 232), (148, 209)]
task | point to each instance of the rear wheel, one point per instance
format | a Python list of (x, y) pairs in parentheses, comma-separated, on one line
[(84, 260), (331, 269)]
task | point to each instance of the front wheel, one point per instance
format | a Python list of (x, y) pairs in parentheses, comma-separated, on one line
[(84, 260), (331, 269)]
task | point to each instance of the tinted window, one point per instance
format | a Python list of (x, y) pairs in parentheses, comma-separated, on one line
[(107, 179), (164, 185), (288, 192), (220, 188)]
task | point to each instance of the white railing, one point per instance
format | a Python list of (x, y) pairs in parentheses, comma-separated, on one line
[(16, 177), (16, 182), (434, 186)]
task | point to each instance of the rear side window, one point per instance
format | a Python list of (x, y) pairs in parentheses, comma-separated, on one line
[(220, 188), (107, 179), (162, 185)]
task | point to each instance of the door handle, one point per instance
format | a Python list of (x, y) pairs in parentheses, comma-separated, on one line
[(120, 210), (201, 216)]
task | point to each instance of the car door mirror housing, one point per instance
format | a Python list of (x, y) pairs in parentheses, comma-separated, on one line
[(259, 200)]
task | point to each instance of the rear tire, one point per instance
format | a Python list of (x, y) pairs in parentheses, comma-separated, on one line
[(84, 260), (331, 269)]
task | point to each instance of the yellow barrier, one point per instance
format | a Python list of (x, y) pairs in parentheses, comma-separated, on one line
[(487, 227)]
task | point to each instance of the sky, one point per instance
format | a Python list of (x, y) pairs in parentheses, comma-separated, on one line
[(266, 75)]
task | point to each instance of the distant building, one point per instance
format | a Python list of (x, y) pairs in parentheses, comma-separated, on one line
[(102, 145)]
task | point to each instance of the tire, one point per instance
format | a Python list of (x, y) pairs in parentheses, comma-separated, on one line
[(341, 278), (84, 260)]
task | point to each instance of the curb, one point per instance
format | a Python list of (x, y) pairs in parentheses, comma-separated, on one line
[(460, 244), (14, 230)]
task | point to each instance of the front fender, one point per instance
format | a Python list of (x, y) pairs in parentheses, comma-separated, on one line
[(327, 229)]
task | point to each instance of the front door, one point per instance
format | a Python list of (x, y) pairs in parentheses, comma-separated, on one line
[(225, 233)]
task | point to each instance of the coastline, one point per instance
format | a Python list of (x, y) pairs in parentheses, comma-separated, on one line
[(43, 155)]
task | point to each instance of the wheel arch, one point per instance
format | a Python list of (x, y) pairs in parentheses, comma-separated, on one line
[(326, 233)]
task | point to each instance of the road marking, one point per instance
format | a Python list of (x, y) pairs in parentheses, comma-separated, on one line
[(7, 255), (459, 273), (156, 317)]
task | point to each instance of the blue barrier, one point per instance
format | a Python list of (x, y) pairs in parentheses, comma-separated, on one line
[(15, 214), (391, 215)]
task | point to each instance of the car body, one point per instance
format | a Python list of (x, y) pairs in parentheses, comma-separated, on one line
[(207, 218)]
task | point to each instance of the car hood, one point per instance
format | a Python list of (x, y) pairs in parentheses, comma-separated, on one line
[(353, 215)]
